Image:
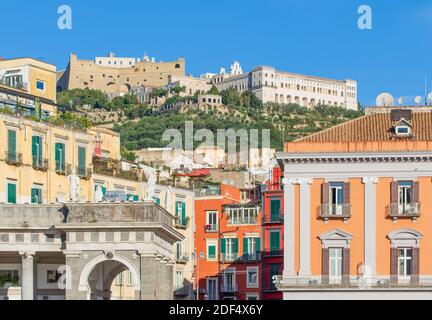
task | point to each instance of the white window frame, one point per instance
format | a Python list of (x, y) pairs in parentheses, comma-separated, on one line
[(208, 222), (404, 193), (179, 276), (44, 85), (336, 208), (404, 276), (216, 287), (212, 242), (252, 295), (252, 285), (338, 260), (225, 274)]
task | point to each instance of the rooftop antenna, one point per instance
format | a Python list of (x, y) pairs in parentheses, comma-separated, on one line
[(429, 98), (425, 91), (385, 99)]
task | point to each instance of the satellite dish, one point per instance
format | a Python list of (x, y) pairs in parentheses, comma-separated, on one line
[(418, 99), (429, 97), (385, 100), (401, 100)]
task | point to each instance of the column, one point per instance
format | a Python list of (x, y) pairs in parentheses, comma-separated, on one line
[(27, 275), (305, 213), (289, 227), (370, 224)]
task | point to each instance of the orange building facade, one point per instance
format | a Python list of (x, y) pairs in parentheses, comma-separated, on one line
[(358, 210), (227, 245)]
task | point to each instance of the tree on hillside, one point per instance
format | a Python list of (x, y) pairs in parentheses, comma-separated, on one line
[(213, 90)]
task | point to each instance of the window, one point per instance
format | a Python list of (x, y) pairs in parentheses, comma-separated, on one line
[(274, 242), (252, 277), (181, 212), (212, 289), (10, 276), (211, 222), (404, 196), (11, 152), (275, 205), (179, 279), (335, 264), (40, 85), (60, 157), (274, 270), (404, 262), (211, 249), (53, 276), (11, 192), (37, 150), (251, 247), (81, 161), (336, 198), (229, 249), (252, 297), (119, 279), (15, 81), (36, 195), (229, 283)]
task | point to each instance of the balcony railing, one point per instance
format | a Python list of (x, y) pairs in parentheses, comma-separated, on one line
[(84, 173), (229, 288), (209, 228), (206, 192), (18, 85), (63, 168), (250, 220), (249, 257), (13, 158), (228, 257), (335, 211), (40, 164), (273, 252), (268, 219), (182, 258), (181, 223), (406, 210)]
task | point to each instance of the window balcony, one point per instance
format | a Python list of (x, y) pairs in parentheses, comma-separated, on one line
[(16, 85), (274, 252), (406, 210), (335, 211), (182, 292), (40, 164), (181, 223), (228, 257), (242, 221), (182, 258), (273, 219), (13, 158), (84, 173), (229, 288), (211, 228), (63, 169), (249, 257)]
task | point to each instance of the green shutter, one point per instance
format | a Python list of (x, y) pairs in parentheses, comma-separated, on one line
[(274, 240), (177, 209), (104, 189), (274, 209), (12, 145), (258, 245), (245, 246), (11, 193), (183, 216), (37, 150), (157, 200), (135, 198), (81, 159), (211, 252), (235, 246), (223, 246)]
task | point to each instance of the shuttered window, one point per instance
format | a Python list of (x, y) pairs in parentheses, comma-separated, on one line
[(37, 150), (12, 156), (274, 242), (60, 157), (36, 195), (81, 160), (275, 205), (11, 193)]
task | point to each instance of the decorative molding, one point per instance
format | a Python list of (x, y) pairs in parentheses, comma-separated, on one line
[(367, 180), (335, 237), (405, 237), (367, 158)]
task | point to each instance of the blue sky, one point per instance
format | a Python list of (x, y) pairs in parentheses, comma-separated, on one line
[(313, 37)]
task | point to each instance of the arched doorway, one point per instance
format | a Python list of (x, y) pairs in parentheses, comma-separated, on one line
[(100, 279)]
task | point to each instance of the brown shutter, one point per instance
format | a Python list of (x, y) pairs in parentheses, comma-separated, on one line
[(325, 198), (394, 192), (415, 265), (346, 199), (346, 265), (415, 192), (325, 266), (394, 265)]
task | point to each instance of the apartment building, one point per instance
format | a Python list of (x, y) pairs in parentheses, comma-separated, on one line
[(357, 209), (27, 86), (272, 234), (272, 85), (228, 244)]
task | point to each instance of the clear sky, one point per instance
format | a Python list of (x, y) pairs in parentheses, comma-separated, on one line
[(313, 37)]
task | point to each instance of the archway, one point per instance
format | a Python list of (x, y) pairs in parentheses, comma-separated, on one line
[(99, 275)]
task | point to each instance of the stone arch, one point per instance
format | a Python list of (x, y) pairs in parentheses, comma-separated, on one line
[(91, 265)]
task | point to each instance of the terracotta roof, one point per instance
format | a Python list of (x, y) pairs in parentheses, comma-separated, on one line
[(374, 127)]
